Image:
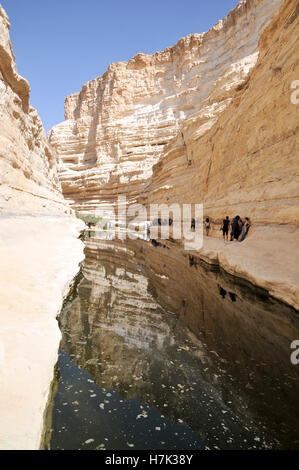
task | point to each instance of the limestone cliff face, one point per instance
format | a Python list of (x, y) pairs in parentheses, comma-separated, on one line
[(246, 160), (39, 253), (28, 175), (123, 123)]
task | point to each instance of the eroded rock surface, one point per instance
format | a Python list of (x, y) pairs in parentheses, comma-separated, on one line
[(127, 120), (39, 252), (210, 120), (39, 258), (28, 170), (246, 163)]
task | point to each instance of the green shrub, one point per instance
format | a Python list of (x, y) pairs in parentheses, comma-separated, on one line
[(87, 218)]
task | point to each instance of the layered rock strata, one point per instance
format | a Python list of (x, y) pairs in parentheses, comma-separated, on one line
[(125, 121), (246, 162), (40, 253), (28, 171), (212, 120)]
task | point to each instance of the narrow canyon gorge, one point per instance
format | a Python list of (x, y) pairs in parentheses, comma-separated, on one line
[(207, 121), (212, 120)]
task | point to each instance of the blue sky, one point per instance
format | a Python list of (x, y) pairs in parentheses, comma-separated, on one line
[(61, 44)]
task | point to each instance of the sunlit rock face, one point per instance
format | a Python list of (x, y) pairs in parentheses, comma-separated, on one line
[(40, 253), (122, 123), (245, 161), (28, 174)]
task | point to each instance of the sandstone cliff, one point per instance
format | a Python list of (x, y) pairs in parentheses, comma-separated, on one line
[(247, 163), (28, 172), (209, 120), (246, 160), (127, 120), (39, 252)]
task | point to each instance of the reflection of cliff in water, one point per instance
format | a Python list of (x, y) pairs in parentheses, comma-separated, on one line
[(127, 327), (247, 328)]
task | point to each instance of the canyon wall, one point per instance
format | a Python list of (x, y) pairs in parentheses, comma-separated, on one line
[(40, 254), (28, 170), (155, 110), (246, 160), (247, 163), (211, 120)]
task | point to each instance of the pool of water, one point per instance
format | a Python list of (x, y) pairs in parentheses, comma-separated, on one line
[(161, 352)]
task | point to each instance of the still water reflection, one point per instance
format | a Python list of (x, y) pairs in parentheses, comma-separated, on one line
[(159, 352)]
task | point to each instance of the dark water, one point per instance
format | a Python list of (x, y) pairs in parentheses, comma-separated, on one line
[(159, 352)]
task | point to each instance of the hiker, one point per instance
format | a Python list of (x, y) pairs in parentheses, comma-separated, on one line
[(207, 224), (225, 227), (235, 232), (193, 225), (246, 228), (242, 228), (232, 231), (241, 225)]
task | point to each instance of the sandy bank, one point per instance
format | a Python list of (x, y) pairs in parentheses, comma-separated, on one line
[(39, 257)]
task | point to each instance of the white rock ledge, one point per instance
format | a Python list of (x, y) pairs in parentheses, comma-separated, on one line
[(39, 257), (267, 258)]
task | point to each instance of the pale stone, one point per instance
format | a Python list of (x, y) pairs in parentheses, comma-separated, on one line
[(39, 258), (28, 171), (40, 254), (123, 123), (209, 120), (266, 259), (246, 163)]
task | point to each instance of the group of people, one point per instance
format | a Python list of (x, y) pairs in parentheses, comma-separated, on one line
[(237, 227)]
